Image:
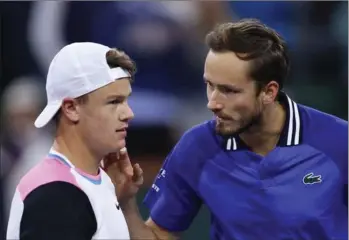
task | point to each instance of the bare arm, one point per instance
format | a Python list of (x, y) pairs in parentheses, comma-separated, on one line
[(121, 172), (160, 232), (142, 230)]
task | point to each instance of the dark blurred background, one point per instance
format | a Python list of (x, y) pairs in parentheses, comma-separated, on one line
[(166, 39)]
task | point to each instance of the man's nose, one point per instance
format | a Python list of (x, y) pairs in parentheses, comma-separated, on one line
[(213, 105), (127, 114)]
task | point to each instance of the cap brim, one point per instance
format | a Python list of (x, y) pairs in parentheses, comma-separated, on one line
[(47, 114)]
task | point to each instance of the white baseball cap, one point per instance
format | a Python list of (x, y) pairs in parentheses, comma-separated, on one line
[(77, 69)]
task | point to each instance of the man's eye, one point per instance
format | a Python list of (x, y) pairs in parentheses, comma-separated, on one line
[(208, 83), (229, 91), (116, 101)]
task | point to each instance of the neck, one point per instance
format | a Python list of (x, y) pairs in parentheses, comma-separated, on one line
[(68, 143), (263, 137)]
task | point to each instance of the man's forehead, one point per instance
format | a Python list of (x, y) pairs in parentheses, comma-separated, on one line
[(225, 68), (120, 87)]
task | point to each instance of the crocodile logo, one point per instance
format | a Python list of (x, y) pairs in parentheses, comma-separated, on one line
[(310, 178)]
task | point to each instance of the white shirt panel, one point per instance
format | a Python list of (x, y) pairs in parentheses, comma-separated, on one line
[(111, 223), (15, 214)]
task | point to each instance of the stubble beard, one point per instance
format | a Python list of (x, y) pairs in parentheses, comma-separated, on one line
[(223, 128)]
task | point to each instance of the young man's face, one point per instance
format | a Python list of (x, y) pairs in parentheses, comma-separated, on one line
[(104, 118), (232, 95)]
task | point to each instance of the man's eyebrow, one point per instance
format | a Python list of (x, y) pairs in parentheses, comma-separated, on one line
[(221, 85), (118, 96)]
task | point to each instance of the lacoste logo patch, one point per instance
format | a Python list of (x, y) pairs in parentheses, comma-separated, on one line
[(310, 178)]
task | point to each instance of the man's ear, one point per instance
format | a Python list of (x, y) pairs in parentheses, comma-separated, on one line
[(270, 92), (70, 108)]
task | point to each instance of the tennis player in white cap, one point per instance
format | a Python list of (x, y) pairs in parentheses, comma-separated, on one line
[(68, 195)]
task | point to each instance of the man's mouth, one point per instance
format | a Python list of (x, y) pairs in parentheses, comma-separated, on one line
[(222, 118), (123, 127), (122, 130)]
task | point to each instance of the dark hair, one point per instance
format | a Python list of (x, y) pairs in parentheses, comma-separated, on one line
[(251, 40), (115, 58)]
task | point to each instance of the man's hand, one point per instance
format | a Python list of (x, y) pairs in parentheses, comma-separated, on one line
[(126, 178)]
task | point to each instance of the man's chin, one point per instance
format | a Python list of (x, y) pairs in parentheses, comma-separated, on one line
[(226, 131), (229, 129)]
